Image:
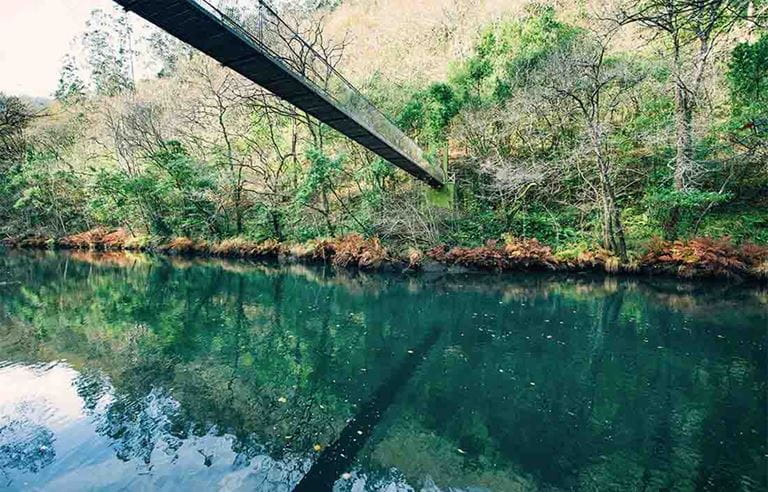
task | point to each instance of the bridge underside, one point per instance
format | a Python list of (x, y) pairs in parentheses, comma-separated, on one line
[(191, 23)]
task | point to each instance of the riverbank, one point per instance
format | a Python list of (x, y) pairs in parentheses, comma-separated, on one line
[(693, 258)]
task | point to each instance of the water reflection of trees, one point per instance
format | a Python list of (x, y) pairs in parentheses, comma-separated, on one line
[(240, 358), (24, 446), (536, 379), (604, 400)]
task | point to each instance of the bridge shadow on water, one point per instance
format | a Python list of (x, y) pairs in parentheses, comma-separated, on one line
[(337, 458)]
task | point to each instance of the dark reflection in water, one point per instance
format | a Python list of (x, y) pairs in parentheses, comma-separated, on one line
[(124, 372)]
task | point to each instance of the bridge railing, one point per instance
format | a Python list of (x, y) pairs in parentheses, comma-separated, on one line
[(284, 45)]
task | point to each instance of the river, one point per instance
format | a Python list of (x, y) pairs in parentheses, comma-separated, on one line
[(126, 372)]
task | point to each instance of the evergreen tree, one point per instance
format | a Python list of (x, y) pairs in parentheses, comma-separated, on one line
[(107, 42), (71, 87)]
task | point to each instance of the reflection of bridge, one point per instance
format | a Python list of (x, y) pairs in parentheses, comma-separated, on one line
[(267, 55)]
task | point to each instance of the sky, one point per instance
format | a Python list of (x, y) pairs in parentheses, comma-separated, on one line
[(36, 34), (34, 37)]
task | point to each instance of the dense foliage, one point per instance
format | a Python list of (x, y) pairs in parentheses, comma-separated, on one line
[(549, 129)]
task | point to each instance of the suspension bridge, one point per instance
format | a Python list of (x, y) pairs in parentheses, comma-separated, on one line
[(272, 54)]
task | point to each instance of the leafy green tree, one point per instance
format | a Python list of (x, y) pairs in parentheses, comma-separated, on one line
[(167, 52), (748, 82), (173, 196), (15, 117), (319, 184), (505, 53), (430, 112), (677, 212), (109, 51), (748, 77), (508, 51), (50, 196), (71, 88)]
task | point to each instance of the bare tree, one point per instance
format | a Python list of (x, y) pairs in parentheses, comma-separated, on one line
[(15, 116), (214, 119), (304, 47), (690, 30), (405, 219), (598, 88), (557, 127)]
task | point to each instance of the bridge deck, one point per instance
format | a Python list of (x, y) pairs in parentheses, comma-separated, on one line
[(201, 28)]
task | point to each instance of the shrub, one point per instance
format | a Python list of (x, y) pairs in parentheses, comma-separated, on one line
[(32, 241), (85, 240), (706, 257), (487, 257), (588, 259), (528, 252), (515, 254), (676, 211), (302, 250), (98, 238), (137, 243), (351, 250), (415, 258), (239, 247), (116, 239), (755, 256), (184, 246)]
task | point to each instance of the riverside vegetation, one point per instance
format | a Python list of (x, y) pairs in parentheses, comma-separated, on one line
[(630, 136)]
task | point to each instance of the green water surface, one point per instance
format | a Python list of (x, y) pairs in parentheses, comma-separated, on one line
[(126, 372)]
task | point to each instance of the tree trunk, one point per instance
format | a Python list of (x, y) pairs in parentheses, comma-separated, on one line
[(613, 230), (618, 228), (239, 209), (277, 229), (327, 213), (684, 142)]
